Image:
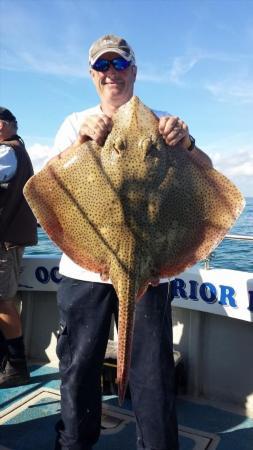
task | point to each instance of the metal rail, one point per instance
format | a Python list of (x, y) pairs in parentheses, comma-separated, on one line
[(239, 237), (236, 237)]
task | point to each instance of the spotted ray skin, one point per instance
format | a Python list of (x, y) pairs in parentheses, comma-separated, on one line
[(133, 210)]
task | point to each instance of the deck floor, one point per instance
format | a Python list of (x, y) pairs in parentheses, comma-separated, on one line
[(28, 415)]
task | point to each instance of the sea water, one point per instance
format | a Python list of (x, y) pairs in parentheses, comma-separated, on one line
[(230, 254)]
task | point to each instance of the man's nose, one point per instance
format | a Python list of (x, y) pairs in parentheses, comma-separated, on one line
[(111, 70)]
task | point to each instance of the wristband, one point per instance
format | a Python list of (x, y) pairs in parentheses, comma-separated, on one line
[(192, 144)]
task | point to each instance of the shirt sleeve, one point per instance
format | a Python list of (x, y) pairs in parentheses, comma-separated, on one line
[(65, 136), (68, 131), (8, 163), (161, 113)]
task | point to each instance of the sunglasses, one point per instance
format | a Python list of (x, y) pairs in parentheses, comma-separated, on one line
[(102, 65)]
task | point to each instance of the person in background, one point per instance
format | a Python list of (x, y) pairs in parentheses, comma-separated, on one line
[(86, 303), (18, 228)]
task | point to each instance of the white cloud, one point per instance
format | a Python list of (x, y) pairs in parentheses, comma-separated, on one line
[(46, 62), (39, 154), (41, 43), (172, 72), (236, 165), (237, 84), (181, 66), (232, 89)]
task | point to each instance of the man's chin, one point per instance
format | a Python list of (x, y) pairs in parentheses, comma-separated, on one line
[(114, 92), (114, 88)]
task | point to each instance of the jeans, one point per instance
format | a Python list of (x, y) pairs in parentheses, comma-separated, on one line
[(86, 310)]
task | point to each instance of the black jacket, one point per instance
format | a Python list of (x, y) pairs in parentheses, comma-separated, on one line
[(18, 226)]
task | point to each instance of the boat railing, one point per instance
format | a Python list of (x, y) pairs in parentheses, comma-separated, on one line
[(236, 237)]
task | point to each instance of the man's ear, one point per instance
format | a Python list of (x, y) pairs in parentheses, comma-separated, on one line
[(92, 75), (134, 71)]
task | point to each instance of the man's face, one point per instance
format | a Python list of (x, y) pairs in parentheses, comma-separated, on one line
[(7, 130), (115, 87)]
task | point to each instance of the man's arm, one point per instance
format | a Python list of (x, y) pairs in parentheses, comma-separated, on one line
[(8, 163), (201, 157)]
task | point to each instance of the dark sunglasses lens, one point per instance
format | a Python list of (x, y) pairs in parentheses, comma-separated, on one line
[(101, 65), (120, 63)]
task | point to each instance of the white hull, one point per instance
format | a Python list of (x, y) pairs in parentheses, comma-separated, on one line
[(212, 325)]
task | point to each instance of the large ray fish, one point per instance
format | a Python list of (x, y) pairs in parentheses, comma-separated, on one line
[(133, 210)]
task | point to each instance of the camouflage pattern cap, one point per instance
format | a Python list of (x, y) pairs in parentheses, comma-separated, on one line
[(110, 43)]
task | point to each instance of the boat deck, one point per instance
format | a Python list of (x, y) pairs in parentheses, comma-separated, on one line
[(28, 415)]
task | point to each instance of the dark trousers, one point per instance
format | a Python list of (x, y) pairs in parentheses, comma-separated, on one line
[(86, 310)]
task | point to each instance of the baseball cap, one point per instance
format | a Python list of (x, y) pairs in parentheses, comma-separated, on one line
[(5, 114), (110, 43)]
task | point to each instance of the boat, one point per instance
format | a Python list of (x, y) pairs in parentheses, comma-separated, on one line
[(213, 340)]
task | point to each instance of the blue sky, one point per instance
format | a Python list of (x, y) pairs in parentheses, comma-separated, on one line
[(195, 60)]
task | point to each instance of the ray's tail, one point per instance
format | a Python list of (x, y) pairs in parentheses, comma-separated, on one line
[(125, 338), (124, 277)]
